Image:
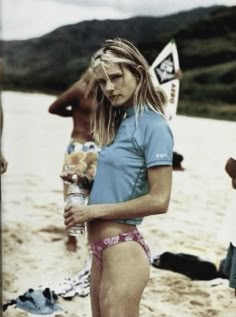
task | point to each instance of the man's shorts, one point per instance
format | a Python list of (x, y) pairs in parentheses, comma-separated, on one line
[(83, 157), (230, 265)]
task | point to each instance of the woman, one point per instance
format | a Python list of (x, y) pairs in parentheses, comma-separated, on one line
[(133, 179)]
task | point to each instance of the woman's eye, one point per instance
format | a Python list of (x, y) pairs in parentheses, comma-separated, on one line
[(115, 77)]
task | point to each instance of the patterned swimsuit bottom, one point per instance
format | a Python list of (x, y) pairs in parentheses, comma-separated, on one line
[(100, 245)]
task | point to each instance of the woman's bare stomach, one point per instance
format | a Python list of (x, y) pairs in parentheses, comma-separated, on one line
[(101, 229)]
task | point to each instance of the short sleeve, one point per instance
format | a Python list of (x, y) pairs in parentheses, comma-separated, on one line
[(158, 143)]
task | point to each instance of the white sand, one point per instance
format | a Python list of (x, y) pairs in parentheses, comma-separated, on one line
[(32, 206)]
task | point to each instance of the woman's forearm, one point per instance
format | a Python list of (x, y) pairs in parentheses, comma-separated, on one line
[(140, 207), (155, 202)]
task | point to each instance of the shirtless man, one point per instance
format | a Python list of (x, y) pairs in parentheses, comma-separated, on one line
[(3, 161), (76, 102)]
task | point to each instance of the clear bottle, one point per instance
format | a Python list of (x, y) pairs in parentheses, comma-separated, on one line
[(76, 195)]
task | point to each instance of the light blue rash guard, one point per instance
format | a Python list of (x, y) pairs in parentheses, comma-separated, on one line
[(140, 143)]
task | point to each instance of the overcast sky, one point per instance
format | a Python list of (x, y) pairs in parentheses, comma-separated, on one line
[(22, 19)]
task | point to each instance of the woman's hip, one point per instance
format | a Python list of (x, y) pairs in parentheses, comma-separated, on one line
[(130, 243)]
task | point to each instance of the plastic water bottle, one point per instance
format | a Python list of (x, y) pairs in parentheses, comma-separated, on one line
[(76, 195)]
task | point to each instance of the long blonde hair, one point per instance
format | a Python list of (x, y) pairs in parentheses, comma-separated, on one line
[(87, 83), (107, 118)]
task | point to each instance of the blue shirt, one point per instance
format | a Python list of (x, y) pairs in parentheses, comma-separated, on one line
[(140, 143)]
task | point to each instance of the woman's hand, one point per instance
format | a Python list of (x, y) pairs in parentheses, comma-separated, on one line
[(76, 214)]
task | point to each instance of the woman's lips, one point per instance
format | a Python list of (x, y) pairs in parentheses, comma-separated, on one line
[(113, 98)]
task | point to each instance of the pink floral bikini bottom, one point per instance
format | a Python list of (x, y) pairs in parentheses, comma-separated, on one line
[(100, 245)]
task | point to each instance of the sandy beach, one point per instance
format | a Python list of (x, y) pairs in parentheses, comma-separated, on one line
[(33, 236)]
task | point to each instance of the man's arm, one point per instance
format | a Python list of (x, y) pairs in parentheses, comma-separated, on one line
[(3, 161), (62, 106), (230, 168), (234, 182)]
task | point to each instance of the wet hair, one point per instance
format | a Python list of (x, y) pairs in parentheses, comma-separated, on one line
[(106, 117)]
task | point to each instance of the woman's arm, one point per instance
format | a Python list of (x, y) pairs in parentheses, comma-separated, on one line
[(156, 202)]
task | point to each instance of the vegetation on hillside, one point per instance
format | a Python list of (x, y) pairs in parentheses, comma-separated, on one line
[(206, 40)]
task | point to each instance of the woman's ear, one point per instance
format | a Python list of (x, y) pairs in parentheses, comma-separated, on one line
[(140, 70)]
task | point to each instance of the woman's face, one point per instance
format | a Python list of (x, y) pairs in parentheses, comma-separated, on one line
[(117, 84)]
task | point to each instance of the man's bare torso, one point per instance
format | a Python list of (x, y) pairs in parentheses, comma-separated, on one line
[(82, 112)]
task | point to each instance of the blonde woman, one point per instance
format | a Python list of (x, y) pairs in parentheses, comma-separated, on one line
[(133, 179)]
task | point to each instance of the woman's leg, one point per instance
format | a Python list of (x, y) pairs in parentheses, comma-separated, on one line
[(125, 274), (95, 280)]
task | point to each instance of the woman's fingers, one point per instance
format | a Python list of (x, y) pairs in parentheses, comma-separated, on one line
[(70, 215), (69, 224), (67, 208), (69, 219)]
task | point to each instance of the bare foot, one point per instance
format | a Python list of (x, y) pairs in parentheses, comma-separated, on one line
[(71, 244)]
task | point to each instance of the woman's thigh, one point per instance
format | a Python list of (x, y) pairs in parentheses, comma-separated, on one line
[(95, 280), (125, 274)]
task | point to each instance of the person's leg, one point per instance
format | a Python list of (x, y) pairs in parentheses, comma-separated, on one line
[(95, 280), (71, 242), (65, 190), (228, 261), (232, 277), (124, 277), (229, 267)]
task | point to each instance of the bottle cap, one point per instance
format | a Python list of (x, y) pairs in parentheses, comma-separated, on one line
[(74, 178)]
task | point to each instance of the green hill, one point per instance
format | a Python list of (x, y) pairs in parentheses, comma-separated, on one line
[(206, 40)]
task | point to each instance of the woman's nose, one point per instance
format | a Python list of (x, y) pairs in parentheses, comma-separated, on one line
[(109, 86)]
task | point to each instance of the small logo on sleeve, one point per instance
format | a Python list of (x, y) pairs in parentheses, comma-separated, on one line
[(161, 155)]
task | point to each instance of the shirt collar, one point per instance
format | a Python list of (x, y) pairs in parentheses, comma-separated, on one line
[(130, 111)]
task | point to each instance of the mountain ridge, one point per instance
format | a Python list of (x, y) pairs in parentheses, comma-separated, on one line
[(205, 38)]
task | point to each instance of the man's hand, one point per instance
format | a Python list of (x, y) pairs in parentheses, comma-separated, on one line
[(4, 164), (230, 167), (234, 183), (81, 179)]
